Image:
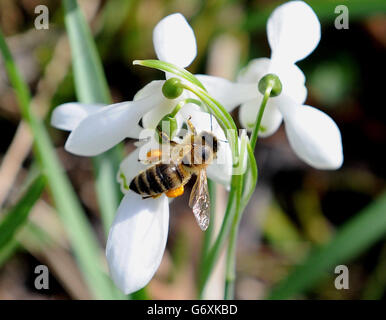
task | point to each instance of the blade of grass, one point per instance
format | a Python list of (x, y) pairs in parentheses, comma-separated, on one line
[(80, 232), (18, 215), (91, 87), (367, 227)]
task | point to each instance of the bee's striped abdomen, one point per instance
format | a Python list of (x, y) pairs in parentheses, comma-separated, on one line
[(154, 181), (140, 184), (158, 179)]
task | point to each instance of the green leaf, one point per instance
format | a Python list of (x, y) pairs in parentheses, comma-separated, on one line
[(325, 10), (84, 242), (91, 87), (18, 215), (363, 230)]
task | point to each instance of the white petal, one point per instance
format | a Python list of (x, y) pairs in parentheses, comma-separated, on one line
[(102, 130), (128, 169), (271, 121), (228, 93), (293, 31), (154, 116), (291, 77), (313, 135), (137, 240), (68, 115), (254, 71), (151, 119), (174, 40), (152, 88), (293, 82)]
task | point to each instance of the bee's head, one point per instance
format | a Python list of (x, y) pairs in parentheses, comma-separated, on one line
[(210, 140)]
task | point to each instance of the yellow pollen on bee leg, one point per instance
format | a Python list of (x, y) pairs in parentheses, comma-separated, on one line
[(175, 192), (154, 154)]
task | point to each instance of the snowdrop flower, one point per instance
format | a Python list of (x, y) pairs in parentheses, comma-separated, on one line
[(293, 32), (139, 232), (137, 238)]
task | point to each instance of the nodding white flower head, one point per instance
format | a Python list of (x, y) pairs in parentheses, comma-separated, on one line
[(293, 31), (138, 235), (143, 224)]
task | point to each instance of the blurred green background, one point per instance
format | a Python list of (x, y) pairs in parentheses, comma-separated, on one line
[(300, 223)]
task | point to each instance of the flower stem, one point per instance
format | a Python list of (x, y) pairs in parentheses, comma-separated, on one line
[(259, 117), (230, 274), (211, 258), (232, 210)]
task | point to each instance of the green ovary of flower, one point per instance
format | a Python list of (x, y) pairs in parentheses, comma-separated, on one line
[(172, 88), (270, 80)]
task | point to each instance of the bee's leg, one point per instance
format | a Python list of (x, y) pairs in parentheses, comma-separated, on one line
[(191, 126)]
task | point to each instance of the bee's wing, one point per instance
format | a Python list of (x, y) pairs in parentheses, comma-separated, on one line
[(199, 200)]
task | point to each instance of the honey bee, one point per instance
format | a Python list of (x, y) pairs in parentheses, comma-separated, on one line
[(188, 158)]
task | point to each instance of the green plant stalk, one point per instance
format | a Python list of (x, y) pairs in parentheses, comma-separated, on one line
[(355, 236), (214, 252), (230, 273), (91, 87), (256, 128), (80, 232), (249, 180), (234, 207)]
